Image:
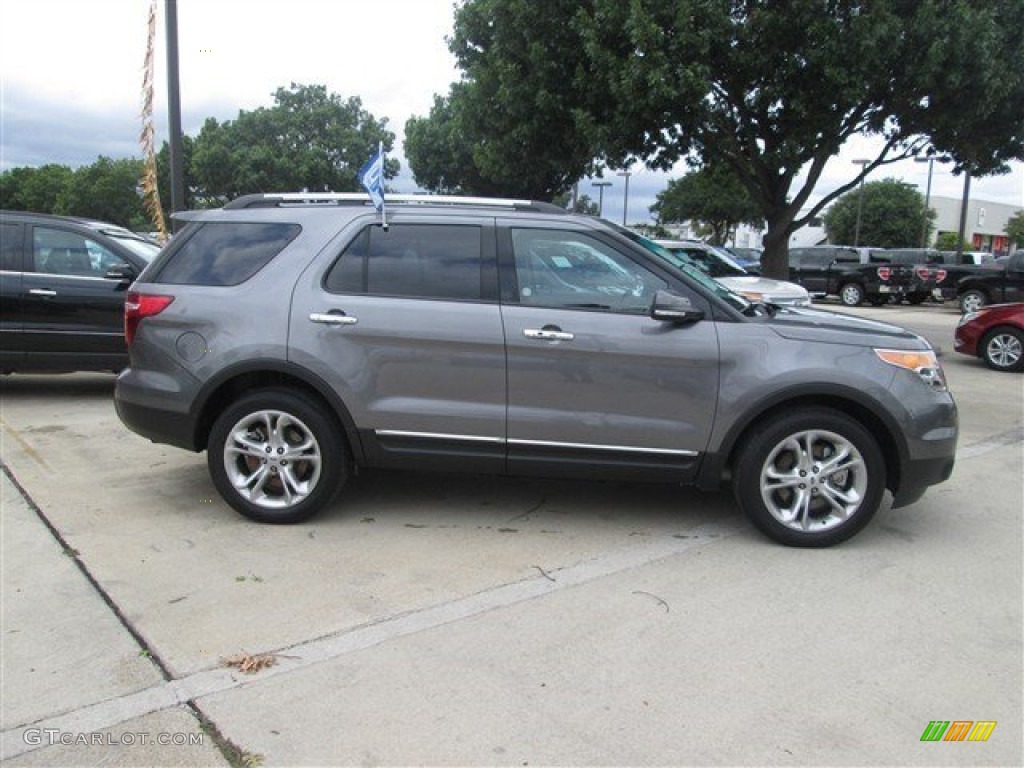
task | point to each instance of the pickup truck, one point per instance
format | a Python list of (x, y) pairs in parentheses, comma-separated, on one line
[(853, 274), (996, 283)]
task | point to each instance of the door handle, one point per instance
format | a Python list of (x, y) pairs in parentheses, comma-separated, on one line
[(334, 317), (42, 292), (548, 334)]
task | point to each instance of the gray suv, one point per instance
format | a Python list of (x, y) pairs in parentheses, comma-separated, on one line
[(294, 338)]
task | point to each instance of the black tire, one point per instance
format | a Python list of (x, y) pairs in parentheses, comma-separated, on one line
[(972, 300), (277, 478), (851, 294), (782, 444), (917, 298), (1002, 349)]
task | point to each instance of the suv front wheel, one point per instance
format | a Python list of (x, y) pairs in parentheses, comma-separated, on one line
[(276, 457), (810, 478)]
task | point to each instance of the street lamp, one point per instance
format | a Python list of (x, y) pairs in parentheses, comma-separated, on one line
[(625, 196), (927, 198), (600, 194), (860, 200)]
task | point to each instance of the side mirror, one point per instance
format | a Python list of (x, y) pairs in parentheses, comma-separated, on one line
[(121, 273), (670, 307)]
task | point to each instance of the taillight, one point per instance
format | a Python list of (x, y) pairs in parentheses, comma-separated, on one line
[(940, 275), (138, 306), (923, 273), (884, 272)]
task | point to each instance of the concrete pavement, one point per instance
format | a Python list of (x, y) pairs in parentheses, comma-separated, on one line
[(480, 621)]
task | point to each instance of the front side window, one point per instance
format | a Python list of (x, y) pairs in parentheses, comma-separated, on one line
[(62, 252), (420, 261), (572, 270)]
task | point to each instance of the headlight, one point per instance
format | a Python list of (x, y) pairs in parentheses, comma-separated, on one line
[(922, 362), (967, 317)]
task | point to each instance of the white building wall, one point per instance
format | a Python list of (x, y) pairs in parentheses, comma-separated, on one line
[(985, 226)]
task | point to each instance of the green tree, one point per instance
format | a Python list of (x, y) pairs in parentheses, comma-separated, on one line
[(713, 197), (512, 126), (106, 190), (892, 216), (309, 139), (584, 204), (33, 189), (1015, 229), (770, 90), (163, 179), (439, 149), (947, 241)]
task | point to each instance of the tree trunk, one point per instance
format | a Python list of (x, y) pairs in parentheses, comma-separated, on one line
[(775, 260)]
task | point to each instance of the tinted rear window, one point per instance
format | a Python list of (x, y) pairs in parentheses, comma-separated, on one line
[(422, 261), (224, 253)]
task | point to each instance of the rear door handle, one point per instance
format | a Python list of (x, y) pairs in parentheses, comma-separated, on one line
[(334, 317), (42, 292), (548, 334)]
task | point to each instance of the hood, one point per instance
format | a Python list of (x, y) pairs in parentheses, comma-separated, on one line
[(755, 288), (764, 285), (806, 324)]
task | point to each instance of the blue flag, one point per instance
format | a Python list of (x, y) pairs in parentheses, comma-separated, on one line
[(371, 176)]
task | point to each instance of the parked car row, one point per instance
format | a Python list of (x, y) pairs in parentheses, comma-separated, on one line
[(915, 275)]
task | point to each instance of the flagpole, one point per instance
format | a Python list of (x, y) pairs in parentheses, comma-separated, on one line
[(383, 206)]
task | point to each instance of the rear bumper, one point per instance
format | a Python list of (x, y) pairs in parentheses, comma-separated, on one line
[(142, 403)]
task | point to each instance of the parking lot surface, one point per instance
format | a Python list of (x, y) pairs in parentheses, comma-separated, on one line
[(468, 620)]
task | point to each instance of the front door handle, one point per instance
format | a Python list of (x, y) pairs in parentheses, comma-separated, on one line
[(548, 333), (42, 292), (334, 317)]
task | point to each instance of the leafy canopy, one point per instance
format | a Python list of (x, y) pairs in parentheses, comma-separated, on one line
[(309, 139), (893, 216), (711, 196), (1015, 229), (769, 90), (510, 126)]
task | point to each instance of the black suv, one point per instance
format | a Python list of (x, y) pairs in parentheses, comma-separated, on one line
[(62, 284)]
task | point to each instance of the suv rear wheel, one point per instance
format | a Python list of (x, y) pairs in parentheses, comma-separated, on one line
[(810, 478), (276, 457), (851, 294)]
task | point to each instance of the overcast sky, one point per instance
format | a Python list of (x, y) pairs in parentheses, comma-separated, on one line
[(72, 74)]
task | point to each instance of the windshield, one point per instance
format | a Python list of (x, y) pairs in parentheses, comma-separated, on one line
[(138, 246), (684, 263)]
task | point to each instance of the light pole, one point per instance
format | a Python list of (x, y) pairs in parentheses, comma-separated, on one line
[(860, 200), (963, 216), (927, 198), (600, 194), (625, 196)]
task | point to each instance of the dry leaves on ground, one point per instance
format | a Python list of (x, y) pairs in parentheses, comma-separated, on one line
[(248, 663)]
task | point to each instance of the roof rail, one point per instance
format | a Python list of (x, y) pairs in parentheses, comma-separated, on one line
[(286, 199)]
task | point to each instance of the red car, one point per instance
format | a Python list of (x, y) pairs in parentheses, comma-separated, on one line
[(995, 334)]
